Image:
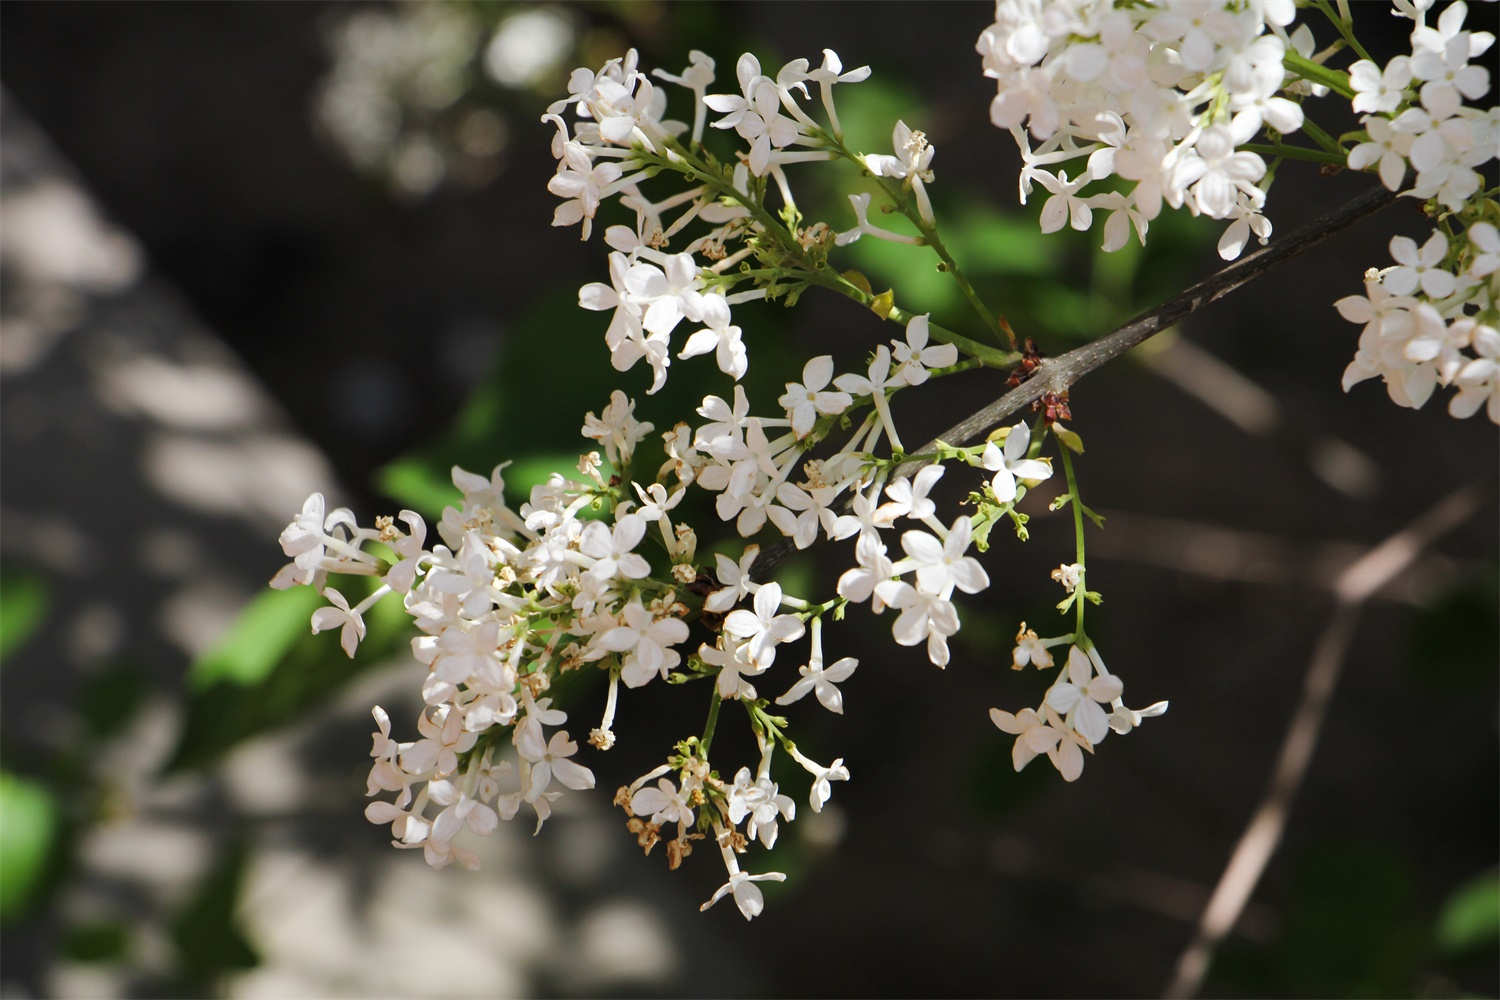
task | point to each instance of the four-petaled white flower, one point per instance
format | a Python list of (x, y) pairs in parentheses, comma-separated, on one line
[(763, 628), (822, 681), (550, 759), (664, 804), (1030, 649), (347, 620), (916, 356), (1012, 464), (943, 565), (747, 896), (1080, 696), (758, 800), (647, 642), (822, 786), (804, 400)]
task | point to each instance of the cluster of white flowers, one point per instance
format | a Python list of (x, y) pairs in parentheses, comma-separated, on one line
[(1071, 718), (1164, 102), (1162, 97), (1431, 319), (601, 570)]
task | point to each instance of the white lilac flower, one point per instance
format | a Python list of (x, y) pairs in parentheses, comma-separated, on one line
[(459, 811), (914, 357), (347, 620), (1419, 267), (443, 739), (1067, 754), (864, 227), (942, 565), (911, 163), (874, 384), (1079, 697), (613, 550), (758, 801), (822, 681), (822, 786), (616, 428), (829, 73), (1484, 238), (763, 628), (583, 185), (909, 497), (1387, 149), (719, 336), (1030, 649), (1033, 736), (871, 579), (1479, 380), (1011, 463), (925, 617), (804, 400), (647, 643), (1377, 89), (798, 513), (550, 759), (1123, 720), (735, 577), (663, 804), (747, 896), (755, 113)]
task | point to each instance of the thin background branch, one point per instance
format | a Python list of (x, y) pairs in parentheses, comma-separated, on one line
[(1263, 834)]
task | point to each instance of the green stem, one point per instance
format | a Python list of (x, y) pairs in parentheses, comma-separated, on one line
[(1294, 153), (1079, 598), (906, 203), (1345, 29), (709, 726), (1318, 73), (1322, 138)]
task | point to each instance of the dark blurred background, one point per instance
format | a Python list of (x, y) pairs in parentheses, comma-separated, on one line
[(256, 250)]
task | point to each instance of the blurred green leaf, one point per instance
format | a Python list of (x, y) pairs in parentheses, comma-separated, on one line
[(224, 710), (23, 606), (258, 640), (985, 241), (102, 941), (1350, 928), (1455, 642), (418, 483), (1471, 916), (110, 698), (206, 930), (28, 827), (869, 112)]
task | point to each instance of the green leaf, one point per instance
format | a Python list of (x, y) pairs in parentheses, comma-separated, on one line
[(23, 606), (206, 930), (419, 483), (98, 941), (29, 818), (1471, 916), (264, 632)]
